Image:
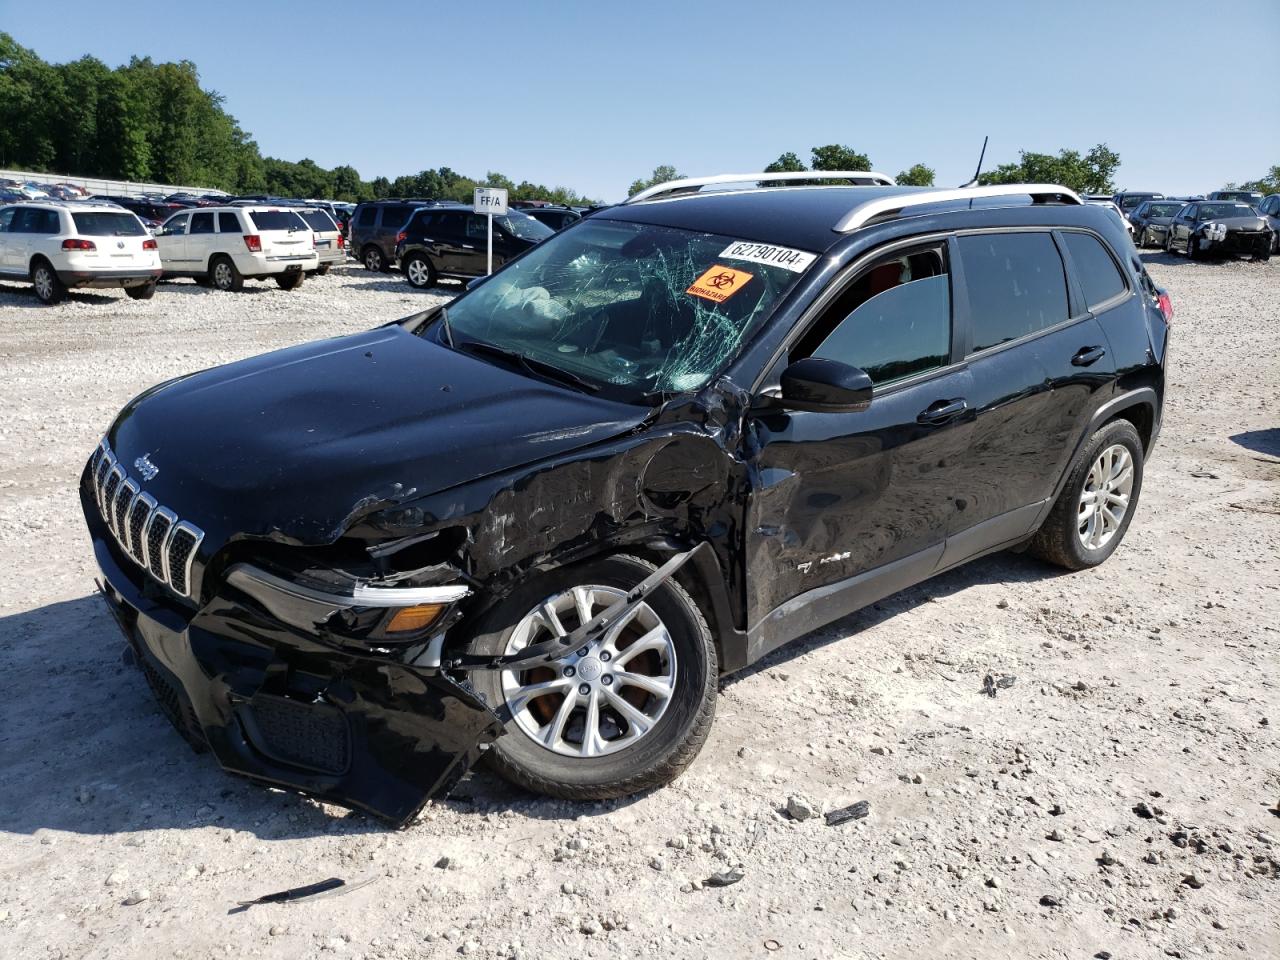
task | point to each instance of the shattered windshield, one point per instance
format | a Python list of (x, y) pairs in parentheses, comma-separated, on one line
[(641, 309)]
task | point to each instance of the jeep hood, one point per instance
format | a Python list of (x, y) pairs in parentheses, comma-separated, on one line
[(295, 444)]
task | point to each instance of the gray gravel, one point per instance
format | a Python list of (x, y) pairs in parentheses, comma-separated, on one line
[(999, 827)]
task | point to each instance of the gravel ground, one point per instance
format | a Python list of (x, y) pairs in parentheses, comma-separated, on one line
[(1118, 799)]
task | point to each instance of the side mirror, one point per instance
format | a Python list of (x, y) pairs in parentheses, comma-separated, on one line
[(825, 386)]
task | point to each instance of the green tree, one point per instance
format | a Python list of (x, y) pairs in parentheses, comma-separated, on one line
[(1266, 184), (787, 163), (661, 174), (835, 156), (917, 175), (1093, 172)]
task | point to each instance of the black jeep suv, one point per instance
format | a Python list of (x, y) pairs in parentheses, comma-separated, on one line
[(541, 522), (451, 240)]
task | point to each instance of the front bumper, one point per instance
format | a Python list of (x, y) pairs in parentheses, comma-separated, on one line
[(270, 702), (1256, 242), (108, 278)]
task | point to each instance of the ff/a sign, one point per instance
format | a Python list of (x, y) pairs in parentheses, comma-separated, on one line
[(491, 200)]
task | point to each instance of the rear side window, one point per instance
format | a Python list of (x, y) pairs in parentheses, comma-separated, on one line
[(1016, 285), (277, 220), (367, 216), (107, 225), (395, 216), (201, 222), (1100, 278), (318, 220), (893, 320), (31, 220), (422, 220), (451, 224), (228, 223)]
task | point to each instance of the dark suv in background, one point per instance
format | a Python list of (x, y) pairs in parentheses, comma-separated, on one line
[(557, 218), (373, 228), (451, 240), (654, 448)]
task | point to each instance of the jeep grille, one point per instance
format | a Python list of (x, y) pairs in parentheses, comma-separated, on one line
[(152, 535)]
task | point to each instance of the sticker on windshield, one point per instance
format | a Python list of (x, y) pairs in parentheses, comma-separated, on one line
[(719, 283), (797, 261)]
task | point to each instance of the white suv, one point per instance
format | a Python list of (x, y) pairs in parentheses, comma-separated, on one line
[(57, 244), (224, 245)]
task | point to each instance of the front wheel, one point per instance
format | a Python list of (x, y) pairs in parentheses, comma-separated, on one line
[(1144, 239), (419, 272), (1096, 505), (623, 713), (1191, 246), (290, 281)]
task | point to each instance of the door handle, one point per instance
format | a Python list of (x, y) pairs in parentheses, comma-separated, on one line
[(1088, 355), (943, 411)]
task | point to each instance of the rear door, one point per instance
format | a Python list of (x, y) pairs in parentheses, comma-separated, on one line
[(10, 241), (202, 239), (454, 245), (392, 220), (283, 234), (1040, 364)]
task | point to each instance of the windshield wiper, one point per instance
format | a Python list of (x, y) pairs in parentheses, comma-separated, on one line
[(539, 368), (448, 330)]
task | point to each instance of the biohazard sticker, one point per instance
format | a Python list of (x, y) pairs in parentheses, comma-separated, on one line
[(719, 283), (797, 261)]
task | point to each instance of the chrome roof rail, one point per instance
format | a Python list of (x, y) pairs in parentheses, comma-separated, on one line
[(692, 184), (869, 209)]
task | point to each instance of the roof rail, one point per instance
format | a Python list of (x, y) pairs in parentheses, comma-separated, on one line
[(869, 209), (693, 184)]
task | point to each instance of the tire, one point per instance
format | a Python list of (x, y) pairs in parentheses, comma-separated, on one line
[(634, 759), (223, 275), (1061, 539), (323, 269), (1144, 239), (144, 292), (419, 272), (290, 281), (49, 289), (373, 259), (1168, 241), (1191, 247)]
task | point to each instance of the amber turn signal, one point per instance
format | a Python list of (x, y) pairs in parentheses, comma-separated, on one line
[(411, 619)]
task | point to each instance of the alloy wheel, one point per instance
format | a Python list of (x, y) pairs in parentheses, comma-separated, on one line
[(1104, 501), (373, 260), (418, 273), (602, 697), (222, 276), (43, 282)]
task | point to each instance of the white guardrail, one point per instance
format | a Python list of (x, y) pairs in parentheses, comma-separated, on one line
[(96, 185)]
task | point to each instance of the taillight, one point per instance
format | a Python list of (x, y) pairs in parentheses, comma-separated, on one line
[(149, 245), (75, 244), (1165, 305), (342, 242), (253, 242), (400, 236)]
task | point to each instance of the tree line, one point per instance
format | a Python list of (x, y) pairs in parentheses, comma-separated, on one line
[(148, 121), (1090, 172)]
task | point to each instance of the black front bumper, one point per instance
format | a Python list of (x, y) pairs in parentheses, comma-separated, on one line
[(285, 709), (1255, 242)]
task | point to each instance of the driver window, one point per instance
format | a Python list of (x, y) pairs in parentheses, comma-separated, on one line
[(6, 217), (175, 225), (893, 320)]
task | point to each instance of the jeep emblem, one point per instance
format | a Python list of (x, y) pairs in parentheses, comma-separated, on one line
[(146, 467)]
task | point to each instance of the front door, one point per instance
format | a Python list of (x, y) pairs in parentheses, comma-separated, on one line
[(845, 505), (172, 243)]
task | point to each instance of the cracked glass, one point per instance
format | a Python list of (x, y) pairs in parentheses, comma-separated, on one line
[(638, 309)]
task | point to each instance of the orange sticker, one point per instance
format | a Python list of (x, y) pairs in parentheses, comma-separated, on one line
[(719, 283)]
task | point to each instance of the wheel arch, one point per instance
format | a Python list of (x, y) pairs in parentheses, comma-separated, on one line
[(1139, 406)]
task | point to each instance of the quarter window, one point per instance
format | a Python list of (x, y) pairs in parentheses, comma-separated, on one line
[(1099, 276), (893, 320), (1016, 285)]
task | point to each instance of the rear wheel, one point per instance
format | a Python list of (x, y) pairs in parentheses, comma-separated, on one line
[(49, 289), (373, 259), (144, 292), (323, 269), (290, 281), (1097, 503), (623, 713), (419, 272), (224, 275)]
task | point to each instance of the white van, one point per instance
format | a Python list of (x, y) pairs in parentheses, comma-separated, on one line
[(223, 246)]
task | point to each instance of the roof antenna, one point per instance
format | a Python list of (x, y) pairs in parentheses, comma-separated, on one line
[(974, 181)]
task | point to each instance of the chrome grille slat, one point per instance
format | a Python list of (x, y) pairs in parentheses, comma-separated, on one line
[(151, 534)]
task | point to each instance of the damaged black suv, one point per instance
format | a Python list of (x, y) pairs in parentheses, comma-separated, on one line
[(541, 522)]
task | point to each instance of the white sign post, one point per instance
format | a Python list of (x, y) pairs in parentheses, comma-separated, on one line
[(492, 202)]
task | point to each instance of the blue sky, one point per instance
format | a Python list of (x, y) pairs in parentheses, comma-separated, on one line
[(593, 95)]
